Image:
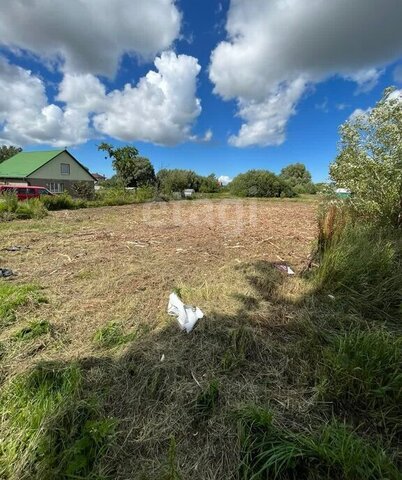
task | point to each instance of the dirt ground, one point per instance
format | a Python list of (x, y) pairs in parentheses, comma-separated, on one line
[(121, 263)]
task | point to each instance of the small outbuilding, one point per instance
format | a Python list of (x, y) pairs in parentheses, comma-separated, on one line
[(56, 170)]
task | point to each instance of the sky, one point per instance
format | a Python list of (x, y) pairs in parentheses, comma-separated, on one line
[(214, 86)]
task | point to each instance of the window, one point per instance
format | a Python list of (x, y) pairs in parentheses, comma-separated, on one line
[(56, 187), (65, 168)]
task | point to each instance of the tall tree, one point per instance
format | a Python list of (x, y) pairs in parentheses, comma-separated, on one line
[(8, 151), (133, 170), (298, 177), (370, 159)]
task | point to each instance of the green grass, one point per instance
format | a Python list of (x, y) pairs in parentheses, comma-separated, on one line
[(48, 428), (112, 335), (362, 375), (14, 296), (11, 208), (331, 452), (34, 329), (362, 268)]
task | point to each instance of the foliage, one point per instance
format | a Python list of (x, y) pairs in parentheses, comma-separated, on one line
[(260, 183), (83, 190), (61, 202), (361, 266), (330, 453), (362, 372), (298, 177), (11, 208), (134, 171), (177, 180), (370, 160), (209, 184), (8, 151)]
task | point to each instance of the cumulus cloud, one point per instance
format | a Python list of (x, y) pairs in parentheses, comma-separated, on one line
[(161, 108), (224, 180), (89, 36), (273, 46)]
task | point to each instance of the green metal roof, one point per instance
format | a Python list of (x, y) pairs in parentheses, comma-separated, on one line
[(25, 163)]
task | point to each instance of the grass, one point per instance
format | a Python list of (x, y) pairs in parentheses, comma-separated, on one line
[(11, 208), (319, 376), (13, 296), (362, 374), (49, 430), (331, 452), (112, 335), (34, 329)]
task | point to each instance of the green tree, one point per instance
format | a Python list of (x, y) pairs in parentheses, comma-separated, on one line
[(209, 184), (8, 151), (298, 177), (177, 180), (370, 159), (260, 183), (133, 170)]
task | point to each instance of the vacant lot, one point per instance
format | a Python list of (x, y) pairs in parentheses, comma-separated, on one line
[(121, 263), (104, 276)]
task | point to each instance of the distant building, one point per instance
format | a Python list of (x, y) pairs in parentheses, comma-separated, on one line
[(343, 192), (99, 177), (56, 170), (189, 192)]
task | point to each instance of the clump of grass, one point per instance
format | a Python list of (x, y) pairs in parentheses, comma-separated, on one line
[(61, 202), (49, 429), (362, 374), (207, 401), (12, 297), (34, 329), (332, 452), (242, 344), (112, 335), (363, 269), (11, 208)]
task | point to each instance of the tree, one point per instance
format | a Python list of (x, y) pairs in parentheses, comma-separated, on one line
[(260, 183), (177, 180), (134, 171), (298, 177), (370, 159), (209, 184), (7, 152)]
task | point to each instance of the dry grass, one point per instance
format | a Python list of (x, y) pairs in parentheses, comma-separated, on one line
[(119, 264)]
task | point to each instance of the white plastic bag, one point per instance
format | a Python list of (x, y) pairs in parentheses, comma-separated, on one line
[(187, 316)]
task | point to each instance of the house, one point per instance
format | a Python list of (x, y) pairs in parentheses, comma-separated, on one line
[(189, 192), (99, 177), (343, 192), (57, 170)]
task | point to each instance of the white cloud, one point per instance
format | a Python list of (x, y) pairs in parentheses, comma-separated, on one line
[(161, 108), (90, 36), (366, 79), (274, 45), (359, 113), (224, 180), (398, 74)]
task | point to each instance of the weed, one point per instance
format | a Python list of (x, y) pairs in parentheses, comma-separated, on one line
[(34, 329), (112, 335), (14, 296), (207, 401), (362, 373), (333, 452)]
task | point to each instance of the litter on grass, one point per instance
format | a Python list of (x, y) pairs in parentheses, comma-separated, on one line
[(15, 248), (6, 272), (186, 315), (284, 268)]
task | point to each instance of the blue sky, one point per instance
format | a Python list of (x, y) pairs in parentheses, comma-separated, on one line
[(236, 85)]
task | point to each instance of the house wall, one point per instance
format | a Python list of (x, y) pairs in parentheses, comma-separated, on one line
[(52, 170)]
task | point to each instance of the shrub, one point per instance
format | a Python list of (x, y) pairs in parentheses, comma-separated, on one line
[(115, 196), (260, 183), (83, 190), (61, 202), (362, 373), (144, 194), (11, 208)]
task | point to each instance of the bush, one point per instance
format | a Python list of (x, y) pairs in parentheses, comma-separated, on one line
[(260, 183), (115, 196), (11, 208), (61, 202), (362, 372), (83, 190)]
